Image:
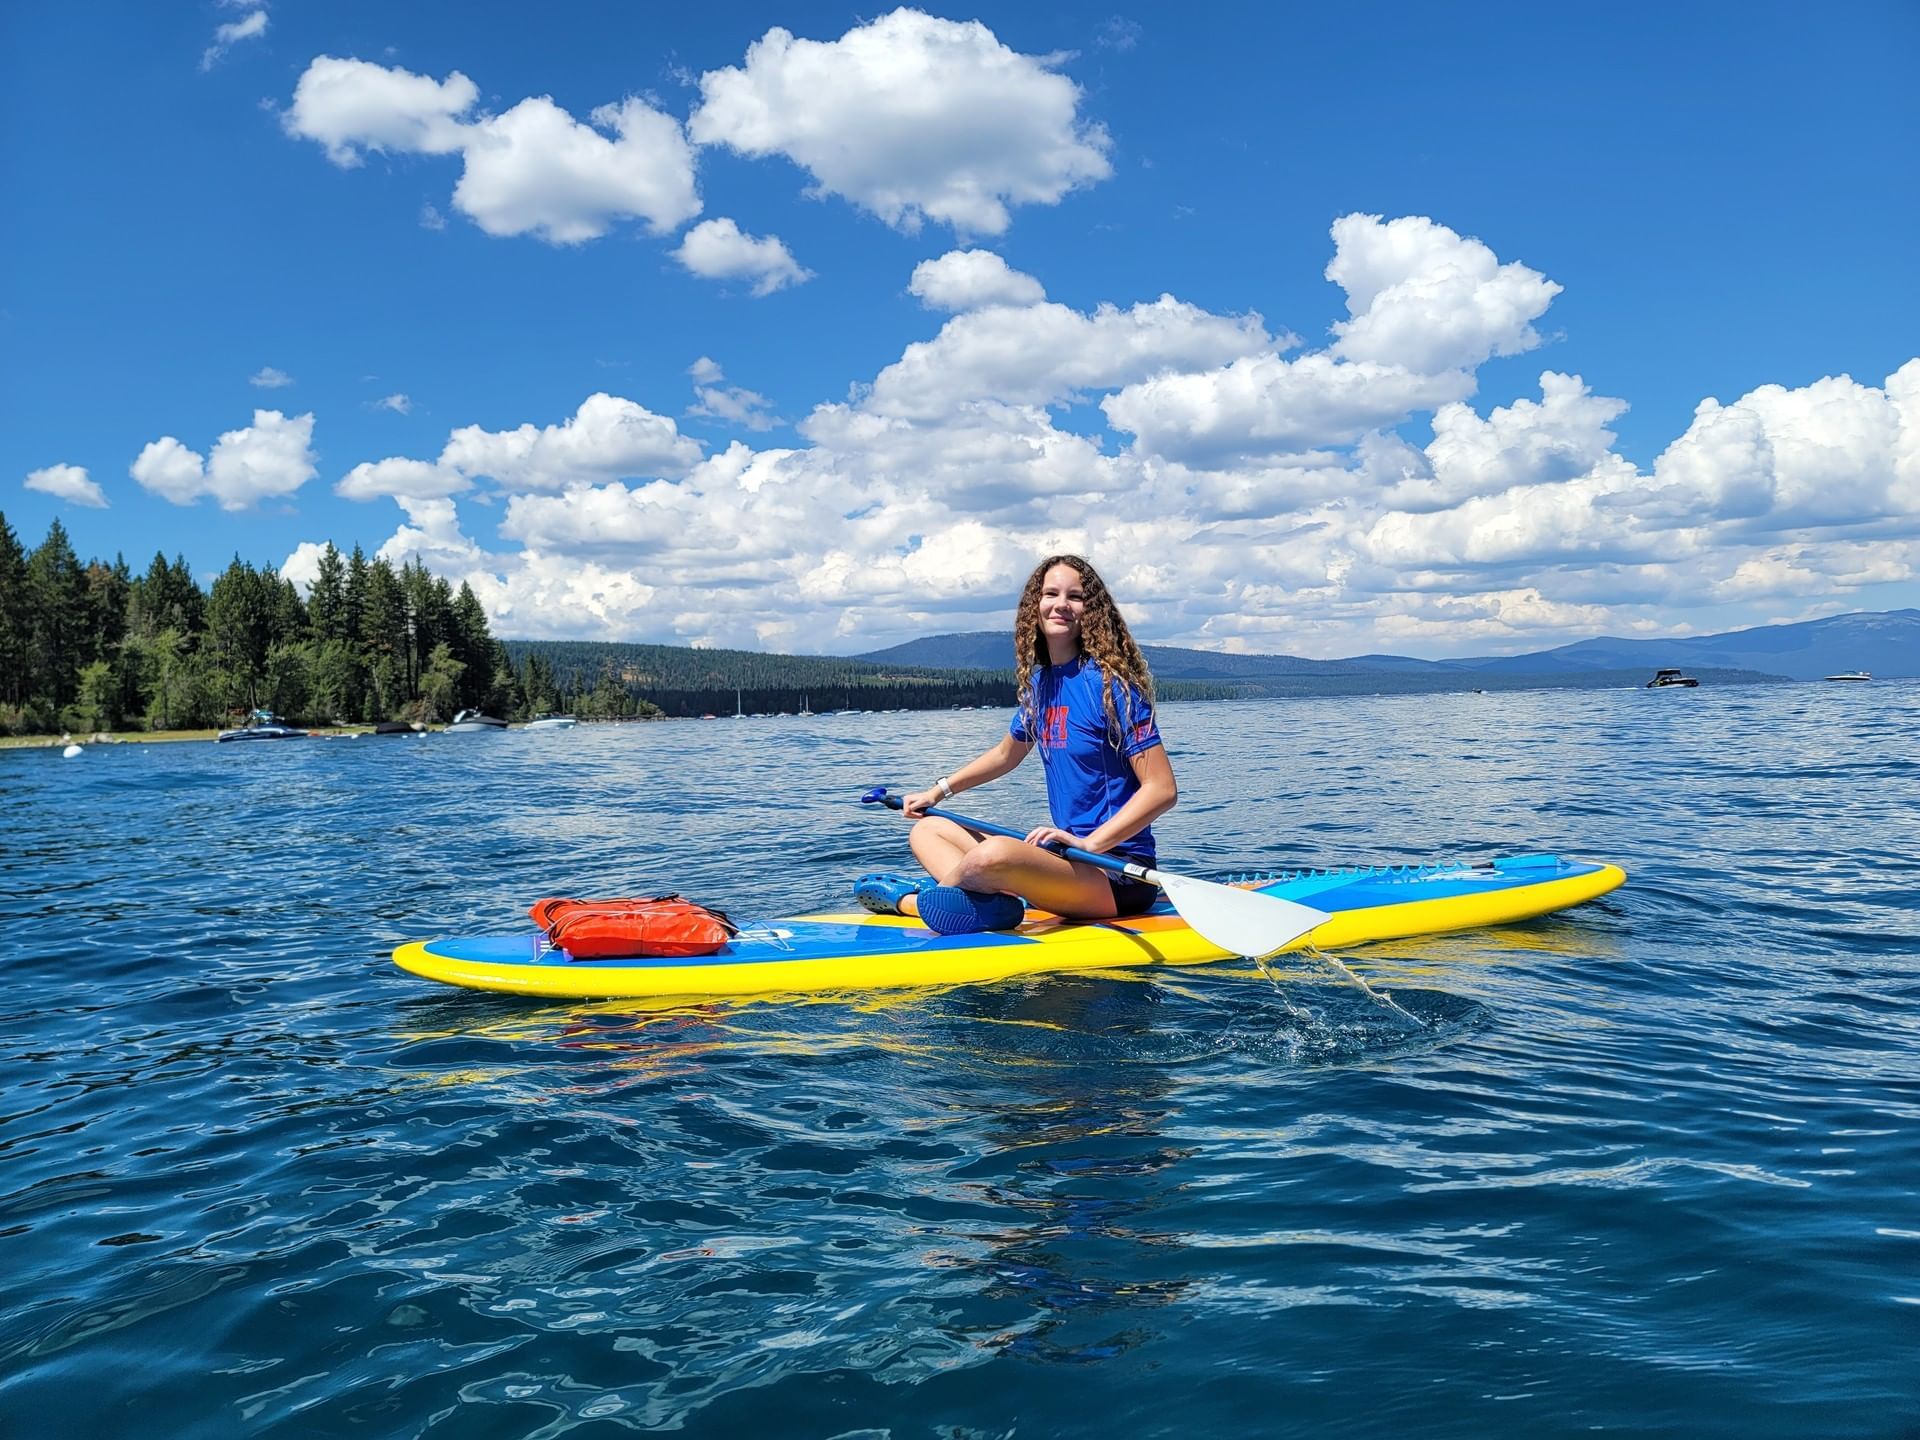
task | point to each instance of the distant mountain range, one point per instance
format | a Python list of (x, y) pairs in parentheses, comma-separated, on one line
[(943, 671), (1886, 643)]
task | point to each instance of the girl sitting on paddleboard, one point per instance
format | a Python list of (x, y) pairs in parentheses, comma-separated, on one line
[(1085, 697)]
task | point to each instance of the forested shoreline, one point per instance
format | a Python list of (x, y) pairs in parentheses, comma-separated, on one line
[(93, 646)]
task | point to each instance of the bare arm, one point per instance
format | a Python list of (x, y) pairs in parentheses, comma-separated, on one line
[(989, 764)]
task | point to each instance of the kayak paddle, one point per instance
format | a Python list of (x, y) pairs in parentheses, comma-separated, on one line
[(1241, 922)]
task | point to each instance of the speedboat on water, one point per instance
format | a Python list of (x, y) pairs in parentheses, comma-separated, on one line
[(473, 720), (1853, 675), (551, 722), (1664, 679), (262, 725)]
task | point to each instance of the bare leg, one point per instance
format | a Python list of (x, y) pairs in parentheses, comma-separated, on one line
[(939, 845), (954, 855)]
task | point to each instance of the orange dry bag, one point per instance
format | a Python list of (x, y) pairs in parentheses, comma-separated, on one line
[(652, 925)]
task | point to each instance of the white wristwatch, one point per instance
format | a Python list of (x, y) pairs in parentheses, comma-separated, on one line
[(945, 783)]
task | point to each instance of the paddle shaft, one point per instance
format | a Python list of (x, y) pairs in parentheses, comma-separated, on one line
[(1131, 869)]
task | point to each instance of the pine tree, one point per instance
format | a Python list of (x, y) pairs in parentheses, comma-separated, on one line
[(472, 646), (503, 696), (440, 683), (185, 603), (327, 601), (15, 625), (56, 590), (353, 600), (144, 601), (240, 618), (429, 618), (288, 622), (108, 589), (383, 637)]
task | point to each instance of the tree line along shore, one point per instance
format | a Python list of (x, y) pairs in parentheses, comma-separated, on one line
[(95, 648)]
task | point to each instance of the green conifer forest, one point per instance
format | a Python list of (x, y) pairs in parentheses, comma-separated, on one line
[(95, 646)]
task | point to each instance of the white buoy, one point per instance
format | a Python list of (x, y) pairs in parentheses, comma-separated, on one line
[(70, 752)]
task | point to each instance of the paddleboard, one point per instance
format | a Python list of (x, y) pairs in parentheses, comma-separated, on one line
[(858, 951)]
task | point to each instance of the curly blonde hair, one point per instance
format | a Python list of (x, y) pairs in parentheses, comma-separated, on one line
[(1104, 639)]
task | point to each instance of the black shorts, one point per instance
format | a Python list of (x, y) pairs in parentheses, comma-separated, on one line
[(1131, 896)]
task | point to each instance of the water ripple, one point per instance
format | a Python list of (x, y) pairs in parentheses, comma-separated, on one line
[(1645, 1166)]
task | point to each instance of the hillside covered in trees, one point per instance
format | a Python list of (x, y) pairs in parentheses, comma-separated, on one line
[(682, 681)]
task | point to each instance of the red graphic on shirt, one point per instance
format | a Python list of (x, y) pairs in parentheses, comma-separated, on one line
[(1053, 735), (1142, 731)]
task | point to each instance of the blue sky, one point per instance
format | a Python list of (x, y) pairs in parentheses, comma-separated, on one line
[(307, 233)]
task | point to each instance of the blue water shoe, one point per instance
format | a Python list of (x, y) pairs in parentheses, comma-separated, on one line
[(949, 910), (882, 892)]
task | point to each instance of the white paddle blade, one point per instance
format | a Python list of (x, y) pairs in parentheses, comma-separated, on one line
[(1241, 922)]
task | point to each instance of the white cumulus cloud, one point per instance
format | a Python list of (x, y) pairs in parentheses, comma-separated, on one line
[(911, 117), (537, 169), (719, 250), (302, 567), (170, 470), (1830, 454), (433, 537), (398, 478), (1042, 353), (608, 438), (268, 378), (1266, 405), (1423, 298), (353, 106), (1562, 435), (534, 169), (269, 458), (70, 483), (970, 280)]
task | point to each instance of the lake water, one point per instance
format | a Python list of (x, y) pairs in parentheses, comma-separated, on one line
[(1652, 1166)]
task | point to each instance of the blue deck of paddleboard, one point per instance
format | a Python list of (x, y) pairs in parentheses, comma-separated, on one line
[(766, 943)]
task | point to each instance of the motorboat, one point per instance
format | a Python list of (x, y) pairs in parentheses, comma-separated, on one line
[(262, 725), (1853, 675), (395, 727), (551, 722), (1668, 679), (468, 721)]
